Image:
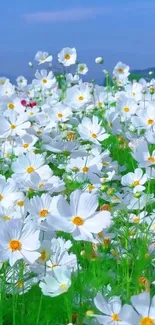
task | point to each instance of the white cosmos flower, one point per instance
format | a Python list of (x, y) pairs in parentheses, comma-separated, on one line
[(143, 312), (78, 96), (56, 283), (80, 217), (8, 192), (43, 57), (15, 125), (44, 80), (17, 241), (24, 144), (92, 130), (121, 71), (40, 207), (21, 82), (112, 310), (67, 56), (82, 68), (26, 165), (134, 179)]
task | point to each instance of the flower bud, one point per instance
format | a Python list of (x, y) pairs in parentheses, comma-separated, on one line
[(99, 60)]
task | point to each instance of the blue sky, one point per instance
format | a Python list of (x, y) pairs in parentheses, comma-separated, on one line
[(115, 29)]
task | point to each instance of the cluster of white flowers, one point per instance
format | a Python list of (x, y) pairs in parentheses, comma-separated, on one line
[(52, 135)]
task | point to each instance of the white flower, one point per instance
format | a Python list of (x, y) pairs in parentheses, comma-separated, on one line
[(30, 64), (67, 56), (44, 79), (111, 310), (43, 57), (82, 68), (56, 283), (121, 71), (24, 166), (18, 241), (21, 82), (92, 130), (80, 217)]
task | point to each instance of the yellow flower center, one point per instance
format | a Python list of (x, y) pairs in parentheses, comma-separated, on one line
[(6, 218), (146, 321), (91, 187), (44, 81), (85, 169), (81, 68), (136, 219), (81, 98), (77, 221), (1, 197), (106, 241), (100, 234), (151, 159), (135, 183), (43, 255), (126, 109), (20, 284), (15, 245), (150, 121), (94, 136), (100, 104), (25, 145), (31, 113), (20, 203), (11, 106), (67, 56), (63, 286), (120, 70), (71, 135), (40, 185), (43, 213), (30, 169), (115, 317), (60, 115), (12, 126)]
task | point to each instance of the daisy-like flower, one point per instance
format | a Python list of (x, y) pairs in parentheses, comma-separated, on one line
[(56, 283), (144, 119), (44, 79), (16, 125), (80, 217), (82, 68), (67, 56), (126, 107), (42, 57), (121, 71), (17, 241), (60, 113), (112, 310), (135, 179), (92, 130), (143, 312), (8, 192), (24, 166), (24, 144), (78, 96), (21, 82), (40, 207), (143, 155)]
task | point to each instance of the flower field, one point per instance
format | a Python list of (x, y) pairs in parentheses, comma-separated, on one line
[(77, 203)]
